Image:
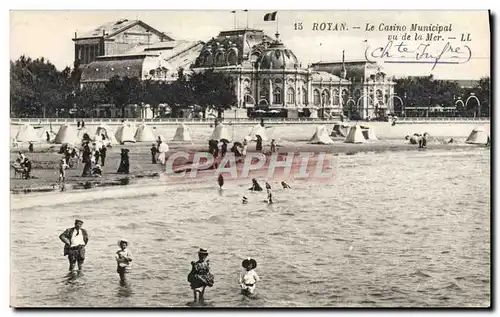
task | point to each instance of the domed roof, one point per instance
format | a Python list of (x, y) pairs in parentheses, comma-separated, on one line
[(277, 56)]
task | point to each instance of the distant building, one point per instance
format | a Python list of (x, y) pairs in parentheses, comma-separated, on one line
[(265, 72)]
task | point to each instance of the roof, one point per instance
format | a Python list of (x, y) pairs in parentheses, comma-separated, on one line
[(103, 70), (110, 29), (327, 77)]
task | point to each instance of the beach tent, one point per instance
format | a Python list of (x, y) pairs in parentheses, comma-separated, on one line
[(368, 133), (67, 134), (320, 136), (144, 134), (258, 130), (355, 135), (477, 136), (27, 133), (125, 133), (182, 134), (109, 137), (220, 132), (340, 129)]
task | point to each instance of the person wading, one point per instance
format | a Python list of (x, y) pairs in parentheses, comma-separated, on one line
[(75, 239), (200, 277)]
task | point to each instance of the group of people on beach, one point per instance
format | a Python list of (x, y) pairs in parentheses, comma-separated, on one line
[(76, 238)]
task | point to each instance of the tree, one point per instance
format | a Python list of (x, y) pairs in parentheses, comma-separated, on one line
[(123, 91), (213, 90)]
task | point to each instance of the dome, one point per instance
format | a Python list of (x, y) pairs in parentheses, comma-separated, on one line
[(277, 56)]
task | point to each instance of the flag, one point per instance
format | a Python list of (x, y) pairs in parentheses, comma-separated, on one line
[(233, 11), (270, 16), (245, 10)]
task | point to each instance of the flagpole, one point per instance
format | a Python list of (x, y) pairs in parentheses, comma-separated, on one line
[(234, 19), (247, 18), (277, 24)]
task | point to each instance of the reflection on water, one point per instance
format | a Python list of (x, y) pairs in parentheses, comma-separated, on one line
[(392, 229)]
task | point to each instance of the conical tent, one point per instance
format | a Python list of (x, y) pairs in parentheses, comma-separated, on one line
[(477, 136), (67, 134), (182, 134), (125, 133), (355, 135), (144, 134), (109, 137), (369, 133), (27, 133), (220, 132), (320, 136), (258, 130)]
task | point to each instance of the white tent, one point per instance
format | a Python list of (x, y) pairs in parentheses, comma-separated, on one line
[(220, 132), (369, 133), (109, 138), (477, 136), (125, 133), (258, 130), (67, 134), (355, 135), (320, 136), (27, 133), (182, 134), (144, 134)]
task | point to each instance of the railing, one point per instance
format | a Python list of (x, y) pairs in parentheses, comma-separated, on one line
[(230, 120)]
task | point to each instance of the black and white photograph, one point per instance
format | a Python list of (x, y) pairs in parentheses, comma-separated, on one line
[(245, 158)]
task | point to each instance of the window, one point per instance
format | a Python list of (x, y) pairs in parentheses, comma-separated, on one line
[(325, 97), (264, 93), (290, 96), (248, 96), (336, 97), (345, 96), (277, 96), (316, 97), (219, 60), (232, 58), (304, 96)]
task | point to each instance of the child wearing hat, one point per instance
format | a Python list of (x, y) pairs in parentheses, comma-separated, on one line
[(248, 277), (200, 277), (123, 259)]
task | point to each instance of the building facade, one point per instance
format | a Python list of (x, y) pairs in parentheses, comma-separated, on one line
[(265, 72)]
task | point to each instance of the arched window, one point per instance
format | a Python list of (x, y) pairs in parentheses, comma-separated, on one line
[(325, 97), (219, 59), (345, 96), (248, 96), (357, 94), (290, 96), (304, 96), (316, 97), (335, 97), (277, 96), (264, 93), (232, 58), (379, 95), (207, 59)]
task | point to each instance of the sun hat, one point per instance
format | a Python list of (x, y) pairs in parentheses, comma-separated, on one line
[(122, 240), (249, 261), (203, 251)]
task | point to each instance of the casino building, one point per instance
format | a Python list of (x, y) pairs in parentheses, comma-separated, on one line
[(266, 73)]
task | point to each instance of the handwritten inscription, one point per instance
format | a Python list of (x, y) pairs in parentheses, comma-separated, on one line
[(424, 53)]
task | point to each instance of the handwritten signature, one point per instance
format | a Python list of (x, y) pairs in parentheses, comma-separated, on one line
[(420, 53)]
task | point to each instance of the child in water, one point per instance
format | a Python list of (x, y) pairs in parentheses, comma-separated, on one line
[(200, 277), (269, 193), (123, 259), (248, 277)]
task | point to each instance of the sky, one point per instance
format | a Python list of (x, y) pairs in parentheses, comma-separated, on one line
[(49, 34)]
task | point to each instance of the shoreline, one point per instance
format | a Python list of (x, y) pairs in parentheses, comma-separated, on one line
[(46, 178)]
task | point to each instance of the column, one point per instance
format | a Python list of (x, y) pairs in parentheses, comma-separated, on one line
[(270, 92), (364, 104), (238, 90), (296, 92), (309, 92)]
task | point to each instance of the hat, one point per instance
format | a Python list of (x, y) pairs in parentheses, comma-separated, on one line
[(78, 220), (249, 261), (122, 240), (203, 251)]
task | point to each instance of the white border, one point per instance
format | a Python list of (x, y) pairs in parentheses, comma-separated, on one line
[(186, 4)]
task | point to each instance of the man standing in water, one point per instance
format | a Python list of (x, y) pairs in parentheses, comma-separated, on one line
[(75, 239)]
